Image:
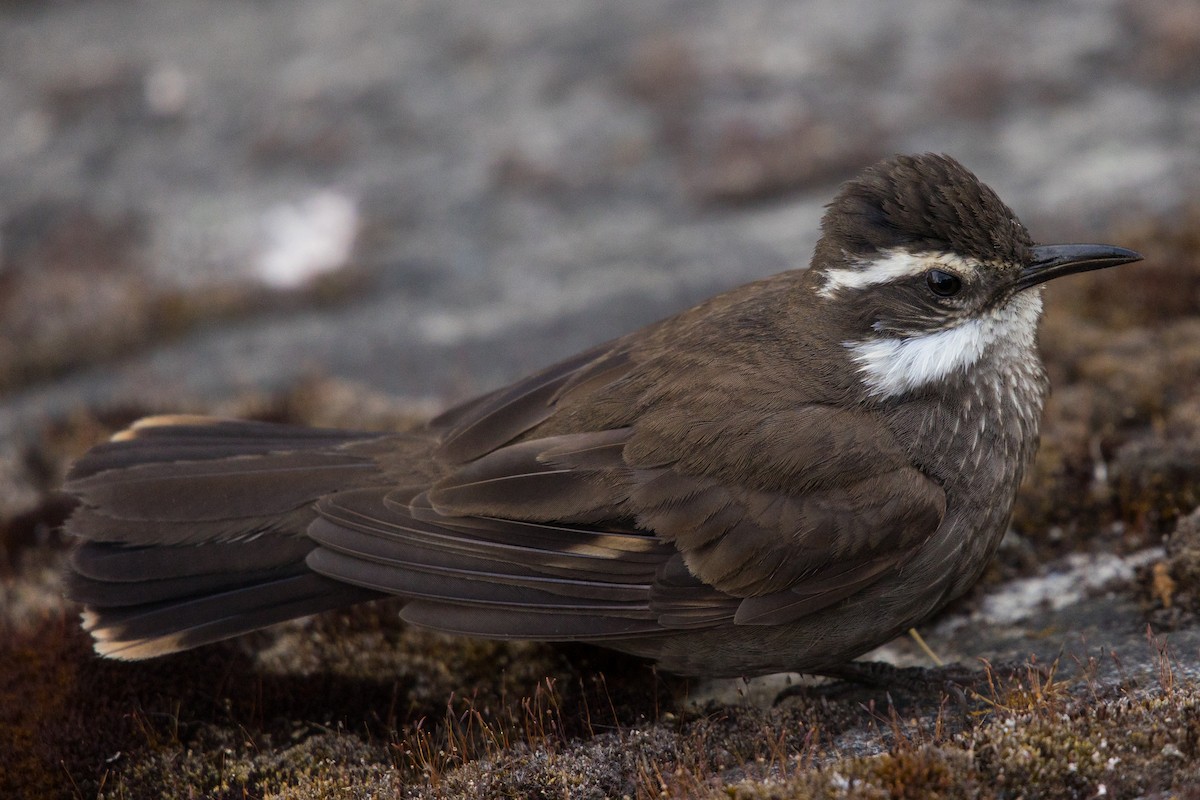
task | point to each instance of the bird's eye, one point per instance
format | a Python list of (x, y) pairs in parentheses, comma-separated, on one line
[(943, 283)]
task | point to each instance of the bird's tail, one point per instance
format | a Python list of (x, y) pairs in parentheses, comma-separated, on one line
[(192, 529)]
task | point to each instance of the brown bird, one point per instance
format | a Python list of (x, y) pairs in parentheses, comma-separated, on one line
[(778, 479)]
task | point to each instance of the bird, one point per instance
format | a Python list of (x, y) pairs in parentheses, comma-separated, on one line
[(778, 479)]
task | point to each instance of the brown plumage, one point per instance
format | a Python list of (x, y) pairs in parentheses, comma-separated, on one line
[(724, 491)]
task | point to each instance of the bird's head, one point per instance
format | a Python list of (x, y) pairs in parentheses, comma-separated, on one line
[(928, 271)]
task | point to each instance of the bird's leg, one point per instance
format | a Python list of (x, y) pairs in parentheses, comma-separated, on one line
[(953, 679)]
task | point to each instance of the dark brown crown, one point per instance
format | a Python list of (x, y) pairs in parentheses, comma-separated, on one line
[(922, 203)]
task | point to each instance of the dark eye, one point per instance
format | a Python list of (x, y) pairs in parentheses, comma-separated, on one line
[(943, 283)]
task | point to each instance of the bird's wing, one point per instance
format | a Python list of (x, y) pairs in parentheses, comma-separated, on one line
[(599, 535), (485, 576), (641, 486), (479, 426)]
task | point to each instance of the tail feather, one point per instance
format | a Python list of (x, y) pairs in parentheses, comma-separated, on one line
[(176, 589), (241, 487), (102, 562), (193, 530), (171, 438), (93, 525), (161, 628)]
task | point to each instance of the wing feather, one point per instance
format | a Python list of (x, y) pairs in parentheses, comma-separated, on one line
[(600, 523)]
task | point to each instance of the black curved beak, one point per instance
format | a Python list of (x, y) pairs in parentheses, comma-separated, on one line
[(1055, 260)]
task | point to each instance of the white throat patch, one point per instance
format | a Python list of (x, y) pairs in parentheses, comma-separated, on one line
[(892, 367)]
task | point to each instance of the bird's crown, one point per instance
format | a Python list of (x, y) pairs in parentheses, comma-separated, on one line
[(922, 203)]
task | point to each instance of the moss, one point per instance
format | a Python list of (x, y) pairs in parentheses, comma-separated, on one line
[(1131, 745), (1171, 587), (1157, 482), (1124, 745), (223, 763)]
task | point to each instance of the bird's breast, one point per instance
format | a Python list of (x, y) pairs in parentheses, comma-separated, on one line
[(976, 440)]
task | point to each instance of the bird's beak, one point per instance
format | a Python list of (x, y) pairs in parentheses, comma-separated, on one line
[(1056, 260)]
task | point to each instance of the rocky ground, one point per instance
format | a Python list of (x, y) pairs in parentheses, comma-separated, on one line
[(356, 213)]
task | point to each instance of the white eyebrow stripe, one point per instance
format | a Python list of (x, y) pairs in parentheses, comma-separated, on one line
[(890, 266), (891, 367)]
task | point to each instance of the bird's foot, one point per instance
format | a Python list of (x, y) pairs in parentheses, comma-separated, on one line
[(962, 682)]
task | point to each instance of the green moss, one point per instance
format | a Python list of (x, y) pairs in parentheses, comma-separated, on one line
[(1123, 746)]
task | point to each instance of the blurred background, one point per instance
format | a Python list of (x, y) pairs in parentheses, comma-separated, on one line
[(428, 199)]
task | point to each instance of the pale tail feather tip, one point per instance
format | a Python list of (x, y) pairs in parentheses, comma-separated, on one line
[(160, 421), (106, 642)]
